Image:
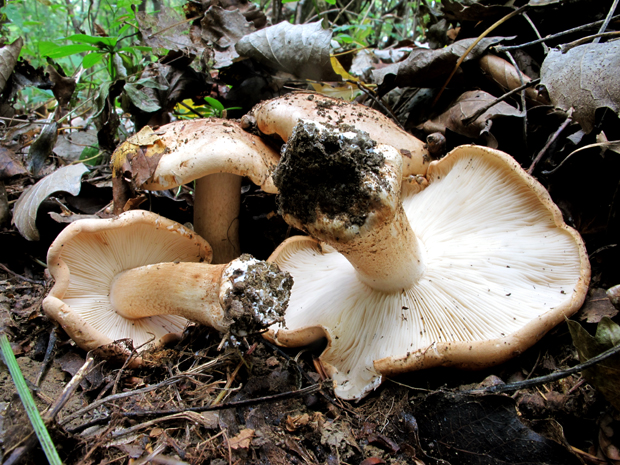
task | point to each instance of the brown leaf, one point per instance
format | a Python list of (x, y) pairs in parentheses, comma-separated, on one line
[(166, 30), (466, 105), (242, 440), (138, 156), (596, 306), (63, 86), (423, 67), (506, 76), (221, 30), (10, 166), (584, 78), (42, 148), (473, 11), (8, 59)]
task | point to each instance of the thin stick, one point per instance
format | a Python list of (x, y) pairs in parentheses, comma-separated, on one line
[(607, 21), (584, 40), (51, 344), (471, 47), (547, 378), (523, 107), (551, 140), (481, 111), (33, 281), (502, 48)]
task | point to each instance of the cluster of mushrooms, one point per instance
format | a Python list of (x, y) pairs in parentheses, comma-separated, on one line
[(408, 263)]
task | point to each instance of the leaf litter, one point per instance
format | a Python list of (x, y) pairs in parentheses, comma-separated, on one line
[(261, 404)]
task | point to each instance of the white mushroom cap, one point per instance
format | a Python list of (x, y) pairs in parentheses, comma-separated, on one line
[(87, 256), (500, 269), (280, 115)]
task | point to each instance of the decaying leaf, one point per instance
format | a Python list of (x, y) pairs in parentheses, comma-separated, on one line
[(605, 375), (473, 11), (9, 166), (8, 58), (596, 306), (584, 78), (242, 440), (138, 156), (423, 67), (65, 179), (462, 428), (221, 30), (166, 30), (302, 50), (465, 106), (42, 147)]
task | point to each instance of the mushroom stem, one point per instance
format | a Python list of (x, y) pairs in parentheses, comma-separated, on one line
[(344, 190), (243, 296), (188, 289), (217, 199)]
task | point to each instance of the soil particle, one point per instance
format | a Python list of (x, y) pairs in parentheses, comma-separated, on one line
[(322, 170)]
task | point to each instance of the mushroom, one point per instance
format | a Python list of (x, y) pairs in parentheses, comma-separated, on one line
[(280, 115), (142, 276), (215, 153), (466, 267)]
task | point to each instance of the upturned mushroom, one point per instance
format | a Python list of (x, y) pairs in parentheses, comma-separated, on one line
[(142, 276), (280, 115), (216, 154), (466, 267)]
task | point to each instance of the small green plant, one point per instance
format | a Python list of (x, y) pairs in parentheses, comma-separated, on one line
[(212, 108)]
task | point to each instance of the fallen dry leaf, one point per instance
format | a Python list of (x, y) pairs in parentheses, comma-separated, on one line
[(8, 59), (9, 165), (465, 106), (584, 78), (65, 179), (242, 440), (302, 50)]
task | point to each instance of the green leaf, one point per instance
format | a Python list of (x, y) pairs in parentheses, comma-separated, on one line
[(133, 48), (215, 103), (66, 50), (604, 376), (31, 409), (94, 40), (140, 99), (91, 156), (91, 60), (331, 2)]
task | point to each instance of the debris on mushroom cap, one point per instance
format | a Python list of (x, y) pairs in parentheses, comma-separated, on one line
[(280, 115), (497, 269), (182, 151), (88, 254)]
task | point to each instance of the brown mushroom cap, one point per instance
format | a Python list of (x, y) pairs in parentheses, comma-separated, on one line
[(280, 115), (473, 268), (215, 153)]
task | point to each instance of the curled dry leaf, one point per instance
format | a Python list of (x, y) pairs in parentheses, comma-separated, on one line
[(466, 105), (507, 77), (301, 50), (423, 67), (8, 58), (65, 179), (166, 30), (584, 78)]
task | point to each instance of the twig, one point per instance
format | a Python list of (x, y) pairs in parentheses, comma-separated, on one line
[(235, 404), (615, 144), (378, 101), (547, 378), (51, 344), (566, 47), (481, 111), (473, 45), (33, 281), (607, 21), (551, 140), (502, 48), (523, 107)]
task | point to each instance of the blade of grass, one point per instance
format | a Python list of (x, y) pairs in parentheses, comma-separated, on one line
[(31, 409)]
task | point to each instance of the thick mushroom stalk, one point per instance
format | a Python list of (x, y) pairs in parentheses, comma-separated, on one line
[(467, 267), (216, 154), (350, 198), (142, 276)]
